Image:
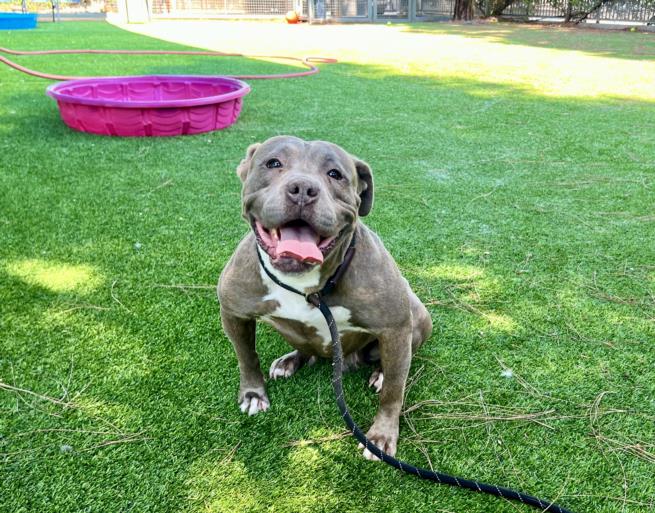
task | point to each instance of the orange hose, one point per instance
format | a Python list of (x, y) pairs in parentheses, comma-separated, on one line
[(306, 61)]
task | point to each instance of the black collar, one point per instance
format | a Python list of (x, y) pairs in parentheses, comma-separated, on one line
[(315, 298)]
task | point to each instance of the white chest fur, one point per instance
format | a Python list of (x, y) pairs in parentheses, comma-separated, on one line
[(294, 307)]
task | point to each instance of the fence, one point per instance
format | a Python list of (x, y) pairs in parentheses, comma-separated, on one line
[(633, 11), (340, 10), (620, 11), (226, 7)]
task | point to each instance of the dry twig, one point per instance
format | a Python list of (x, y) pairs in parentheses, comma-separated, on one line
[(113, 296), (132, 437), (59, 402)]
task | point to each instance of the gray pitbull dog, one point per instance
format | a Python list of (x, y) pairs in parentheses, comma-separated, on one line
[(303, 201)]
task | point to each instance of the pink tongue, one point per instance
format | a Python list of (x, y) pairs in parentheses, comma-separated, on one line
[(299, 242)]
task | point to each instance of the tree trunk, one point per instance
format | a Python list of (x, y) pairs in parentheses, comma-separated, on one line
[(569, 12), (579, 17), (499, 6), (463, 10)]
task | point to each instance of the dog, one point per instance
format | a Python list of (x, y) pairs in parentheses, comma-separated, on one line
[(303, 201)]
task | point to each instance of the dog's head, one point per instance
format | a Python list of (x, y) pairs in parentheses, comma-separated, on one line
[(302, 199)]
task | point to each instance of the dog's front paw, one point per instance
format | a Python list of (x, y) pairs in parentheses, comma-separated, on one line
[(385, 436), (252, 402)]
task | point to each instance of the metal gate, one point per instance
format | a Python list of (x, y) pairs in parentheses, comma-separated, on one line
[(356, 10), (380, 10), (392, 10)]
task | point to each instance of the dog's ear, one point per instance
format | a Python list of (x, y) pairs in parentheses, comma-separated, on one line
[(244, 165), (364, 186)]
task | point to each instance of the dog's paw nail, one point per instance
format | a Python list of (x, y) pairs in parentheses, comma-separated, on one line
[(376, 380), (253, 404), (277, 372)]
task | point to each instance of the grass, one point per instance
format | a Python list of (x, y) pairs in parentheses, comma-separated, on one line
[(514, 186)]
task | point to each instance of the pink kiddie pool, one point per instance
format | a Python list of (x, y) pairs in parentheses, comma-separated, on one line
[(157, 105)]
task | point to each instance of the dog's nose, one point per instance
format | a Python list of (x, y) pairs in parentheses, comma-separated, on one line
[(302, 191)]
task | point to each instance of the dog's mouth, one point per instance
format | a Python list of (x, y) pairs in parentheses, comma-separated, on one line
[(296, 240)]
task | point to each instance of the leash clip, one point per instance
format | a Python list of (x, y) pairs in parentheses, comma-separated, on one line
[(314, 298)]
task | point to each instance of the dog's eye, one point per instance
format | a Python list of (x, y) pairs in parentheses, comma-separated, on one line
[(333, 173), (273, 163)]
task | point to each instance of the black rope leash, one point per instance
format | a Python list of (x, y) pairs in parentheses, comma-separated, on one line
[(316, 299)]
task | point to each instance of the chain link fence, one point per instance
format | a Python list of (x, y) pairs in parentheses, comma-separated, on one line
[(225, 7), (619, 11)]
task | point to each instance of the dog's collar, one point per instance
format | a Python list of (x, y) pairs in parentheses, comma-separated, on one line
[(315, 298)]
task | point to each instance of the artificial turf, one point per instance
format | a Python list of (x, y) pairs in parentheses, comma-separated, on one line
[(516, 197)]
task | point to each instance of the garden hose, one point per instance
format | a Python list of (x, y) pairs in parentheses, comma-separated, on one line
[(305, 61)]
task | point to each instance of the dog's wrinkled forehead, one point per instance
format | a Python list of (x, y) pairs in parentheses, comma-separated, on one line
[(304, 156)]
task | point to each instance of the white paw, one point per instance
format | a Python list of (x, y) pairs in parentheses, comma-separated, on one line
[(287, 365), (253, 403), (376, 380)]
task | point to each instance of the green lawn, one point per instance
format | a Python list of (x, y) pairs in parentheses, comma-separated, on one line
[(514, 186)]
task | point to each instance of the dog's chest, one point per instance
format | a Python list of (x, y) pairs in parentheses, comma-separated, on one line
[(294, 307)]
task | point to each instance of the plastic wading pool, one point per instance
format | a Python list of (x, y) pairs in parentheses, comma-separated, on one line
[(144, 106)]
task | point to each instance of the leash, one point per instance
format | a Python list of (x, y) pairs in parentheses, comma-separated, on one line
[(316, 299), (306, 61)]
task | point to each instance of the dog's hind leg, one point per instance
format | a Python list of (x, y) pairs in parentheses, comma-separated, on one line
[(421, 322)]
